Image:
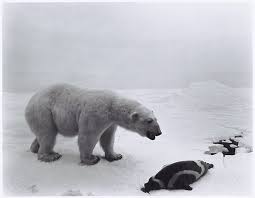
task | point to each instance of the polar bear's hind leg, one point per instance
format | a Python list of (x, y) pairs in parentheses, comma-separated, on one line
[(47, 142), (41, 123)]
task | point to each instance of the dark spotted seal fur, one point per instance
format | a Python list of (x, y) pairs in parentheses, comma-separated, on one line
[(178, 175)]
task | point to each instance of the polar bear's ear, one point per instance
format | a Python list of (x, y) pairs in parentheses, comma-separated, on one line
[(134, 116)]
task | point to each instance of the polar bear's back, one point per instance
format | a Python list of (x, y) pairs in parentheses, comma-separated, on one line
[(62, 105), (60, 93)]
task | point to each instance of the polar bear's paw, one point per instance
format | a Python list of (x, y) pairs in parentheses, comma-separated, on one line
[(49, 157), (90, 161), (113, 157)]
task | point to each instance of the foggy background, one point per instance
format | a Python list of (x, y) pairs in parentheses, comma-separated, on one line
[(125, 45)]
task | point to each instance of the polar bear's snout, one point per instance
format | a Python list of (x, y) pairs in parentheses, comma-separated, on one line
[(155, 131), (158, 131)]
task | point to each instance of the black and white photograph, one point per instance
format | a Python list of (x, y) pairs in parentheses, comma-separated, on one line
[(127, 98)]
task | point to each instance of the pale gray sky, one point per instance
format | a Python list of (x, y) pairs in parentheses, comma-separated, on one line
[(125, 45)]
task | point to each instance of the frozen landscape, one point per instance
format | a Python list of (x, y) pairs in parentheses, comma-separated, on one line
[(190, 119)]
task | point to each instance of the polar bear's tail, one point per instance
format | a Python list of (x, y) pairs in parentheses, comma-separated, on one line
[(34, 146)]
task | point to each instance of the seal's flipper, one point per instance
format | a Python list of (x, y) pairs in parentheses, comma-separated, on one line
[(187, 187)]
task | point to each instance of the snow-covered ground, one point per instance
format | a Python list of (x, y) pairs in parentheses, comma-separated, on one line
[(189, 118)]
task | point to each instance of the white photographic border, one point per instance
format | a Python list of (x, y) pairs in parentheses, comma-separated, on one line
[(252, 5)]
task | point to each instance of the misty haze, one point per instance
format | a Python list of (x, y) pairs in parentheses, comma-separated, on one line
[(125, 45)]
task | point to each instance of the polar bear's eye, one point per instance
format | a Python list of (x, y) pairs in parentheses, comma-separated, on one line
[(149, 120)]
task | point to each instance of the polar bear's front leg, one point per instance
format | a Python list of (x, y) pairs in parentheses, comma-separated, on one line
[(86, 146), (107, 142)]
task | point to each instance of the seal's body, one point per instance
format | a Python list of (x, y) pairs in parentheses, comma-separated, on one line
[(178, 175)]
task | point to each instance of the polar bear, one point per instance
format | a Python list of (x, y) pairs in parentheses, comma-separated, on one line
[(91, 114)]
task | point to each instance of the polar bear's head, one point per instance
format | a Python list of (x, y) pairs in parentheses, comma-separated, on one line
[(143, 121)]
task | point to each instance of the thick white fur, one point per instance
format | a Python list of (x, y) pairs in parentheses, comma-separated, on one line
[(93, 115)]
